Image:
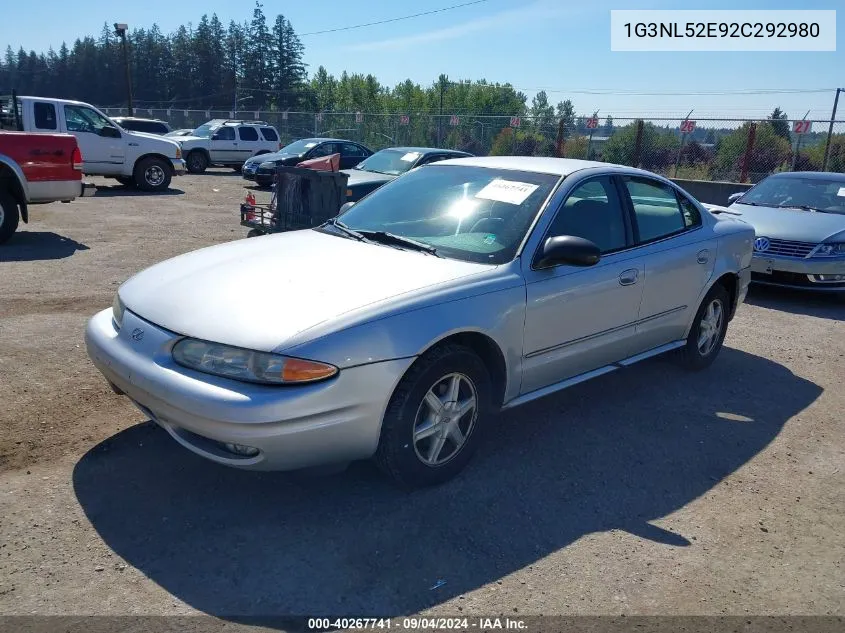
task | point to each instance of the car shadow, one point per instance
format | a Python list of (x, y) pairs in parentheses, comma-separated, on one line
[(804, 302), (29, 246), (221, 171), (120, 190), (614, 453)]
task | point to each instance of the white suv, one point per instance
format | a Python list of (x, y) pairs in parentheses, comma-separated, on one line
[(227, 142)]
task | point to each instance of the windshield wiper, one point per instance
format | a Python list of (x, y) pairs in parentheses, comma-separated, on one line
[(340, 226), (804, 207), (399, 240)]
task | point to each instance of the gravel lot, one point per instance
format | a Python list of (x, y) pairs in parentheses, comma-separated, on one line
[(647, 491)]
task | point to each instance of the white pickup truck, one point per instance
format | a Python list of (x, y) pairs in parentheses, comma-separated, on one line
[(135, 159)]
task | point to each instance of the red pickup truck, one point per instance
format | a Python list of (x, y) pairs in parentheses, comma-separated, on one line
[(36, 169)]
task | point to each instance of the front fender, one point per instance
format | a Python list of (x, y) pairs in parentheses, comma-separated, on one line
[(499, 315), (19, 184)]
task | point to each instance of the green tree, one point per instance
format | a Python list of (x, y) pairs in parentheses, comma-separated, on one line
[(769, 152), (657, 149), (780, 124)]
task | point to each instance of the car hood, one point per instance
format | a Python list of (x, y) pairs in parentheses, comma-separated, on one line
[(792, 224), (361, 177), (258, 293), (156, 142), (269, 158)]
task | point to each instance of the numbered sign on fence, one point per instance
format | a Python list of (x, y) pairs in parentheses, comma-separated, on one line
[(359, 118), (404, 119), (454, 120), (257, 115), (515, 121), (208, 114), (318, 117), (802, 127), (285, 115), (186, 113), (592, 123), (687, 126), (231, 114)]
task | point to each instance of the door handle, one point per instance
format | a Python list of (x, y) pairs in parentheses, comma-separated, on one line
[(629, 277), (703, 256)]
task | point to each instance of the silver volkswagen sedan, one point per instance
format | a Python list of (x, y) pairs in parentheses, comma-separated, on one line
[(394, 330), (799, 219)]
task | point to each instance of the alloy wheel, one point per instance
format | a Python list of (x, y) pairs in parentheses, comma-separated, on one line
[(710, 327), (445, 419)]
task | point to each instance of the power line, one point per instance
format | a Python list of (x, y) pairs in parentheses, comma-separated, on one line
[(405, 17), (610, 92)]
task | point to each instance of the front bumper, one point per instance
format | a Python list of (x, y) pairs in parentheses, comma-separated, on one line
[(292, 427), (179, 166), (800, 273)]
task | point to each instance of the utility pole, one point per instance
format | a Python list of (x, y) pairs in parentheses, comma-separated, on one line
[(440, 118), (120, 29), (830, 130)]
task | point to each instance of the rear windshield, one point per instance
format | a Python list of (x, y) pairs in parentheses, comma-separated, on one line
[(10, 117)]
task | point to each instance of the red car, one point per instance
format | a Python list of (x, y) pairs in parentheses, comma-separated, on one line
[(36, 169)]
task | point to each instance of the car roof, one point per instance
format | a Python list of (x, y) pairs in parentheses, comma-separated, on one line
[(538, 164), (137, 118), (812, 175), (428, 150)]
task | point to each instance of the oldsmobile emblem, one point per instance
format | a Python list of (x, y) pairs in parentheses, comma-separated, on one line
[(137, 334)]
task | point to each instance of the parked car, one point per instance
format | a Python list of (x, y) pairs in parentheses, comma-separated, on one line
[(181, 132), (388, 164), (262, 169), (799, 218), (150, 126), (227, 142), (36, 169), (133, 158), (395, 329)]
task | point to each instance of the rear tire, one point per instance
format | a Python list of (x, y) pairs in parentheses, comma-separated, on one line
[(419, 447), (708, 330), (126, 181), (152, 174), (197, 162), (9, 216), (237, 168)]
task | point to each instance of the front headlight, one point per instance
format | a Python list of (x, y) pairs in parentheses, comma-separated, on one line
[(117, 309), (834, 249), (248, 365)]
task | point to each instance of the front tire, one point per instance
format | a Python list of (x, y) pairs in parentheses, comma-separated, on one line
[(708, 330), (152, 174), (126, 181), (436, 417), (9, 216), (197, 162)]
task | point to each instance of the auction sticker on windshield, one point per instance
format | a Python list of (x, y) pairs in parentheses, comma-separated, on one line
[(508, 191), (841, 191), (410, 157)]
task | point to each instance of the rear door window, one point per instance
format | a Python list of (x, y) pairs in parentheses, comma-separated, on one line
[(225, 134), (248, 133), (656, 209), (45, 115), (269, 134)]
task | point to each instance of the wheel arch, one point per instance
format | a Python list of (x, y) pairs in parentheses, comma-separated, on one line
[(143, 157), (13, 180), (488, 351)]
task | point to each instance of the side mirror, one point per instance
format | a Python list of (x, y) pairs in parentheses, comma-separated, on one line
[(568, 249), (109, 132), (345, 207), (215, 136), (735, 196)]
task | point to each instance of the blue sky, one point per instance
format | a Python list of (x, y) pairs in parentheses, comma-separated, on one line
[(560, 45)]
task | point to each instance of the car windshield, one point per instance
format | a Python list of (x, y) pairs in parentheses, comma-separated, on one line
[(470, 213), (298, 147), (814, 194), (205, 130), (390, 161)]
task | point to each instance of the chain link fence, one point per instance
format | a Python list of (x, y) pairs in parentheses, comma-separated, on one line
[(733, 150)]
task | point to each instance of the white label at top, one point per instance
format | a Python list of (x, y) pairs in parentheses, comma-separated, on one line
[(723, 30), (410, 157), (841, 192), (509, 191)]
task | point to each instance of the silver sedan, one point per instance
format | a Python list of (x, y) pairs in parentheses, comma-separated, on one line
[(394, 330), (799, 218)]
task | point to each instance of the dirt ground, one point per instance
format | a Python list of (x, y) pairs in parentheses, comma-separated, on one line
[(648, 491)]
